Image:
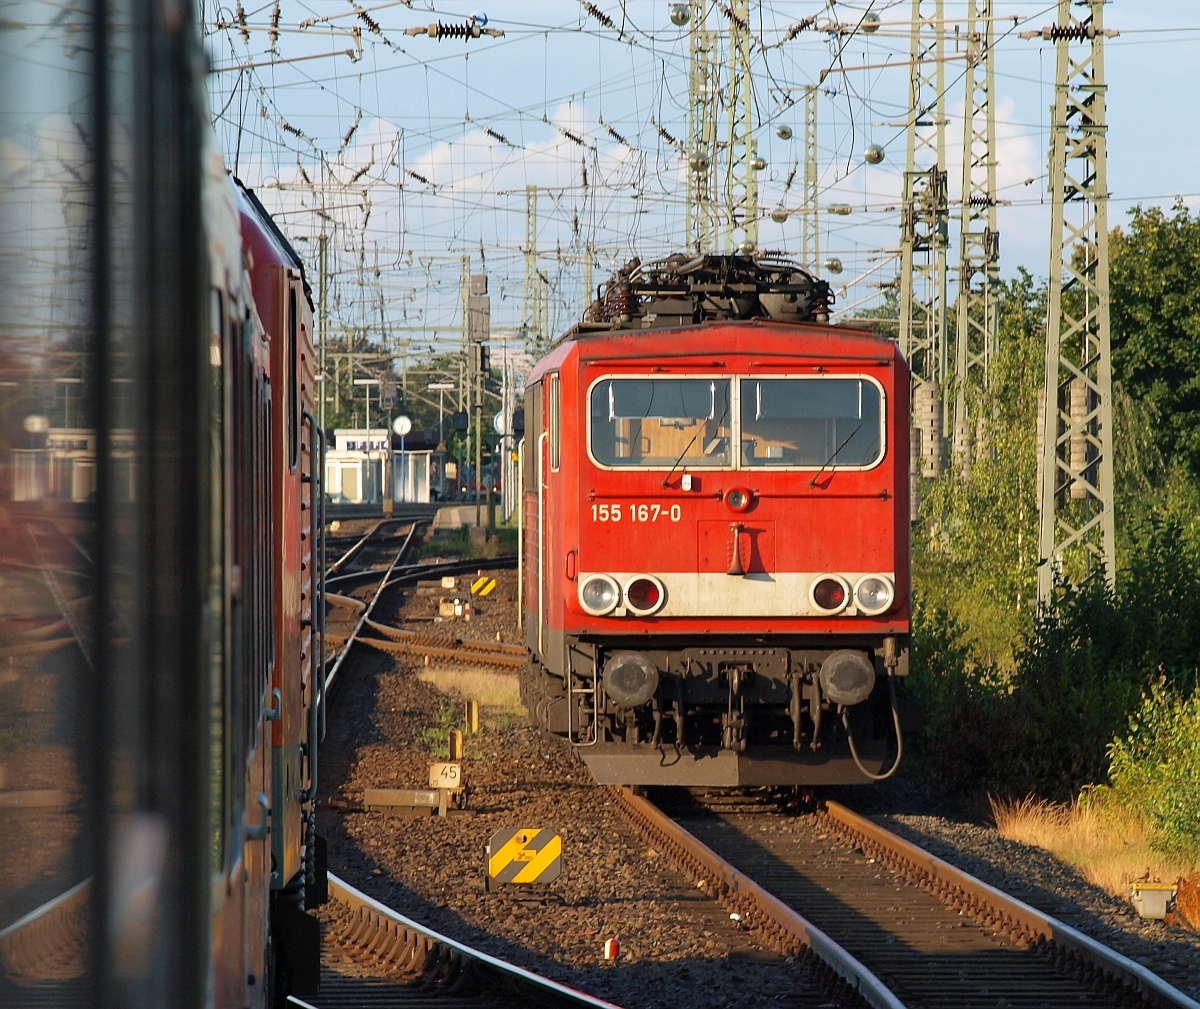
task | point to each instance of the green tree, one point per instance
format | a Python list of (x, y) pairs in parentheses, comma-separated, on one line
[(1155, 315), (977, 556)]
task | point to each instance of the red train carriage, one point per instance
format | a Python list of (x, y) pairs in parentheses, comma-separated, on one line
[(716, 503), (183, 564), (280, 460)]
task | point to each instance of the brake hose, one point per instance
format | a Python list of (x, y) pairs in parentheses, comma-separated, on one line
[(899, 738)]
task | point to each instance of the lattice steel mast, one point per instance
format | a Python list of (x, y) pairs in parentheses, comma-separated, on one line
[(703, 94), (924, 233), (1077, 535), (810, 221), (741, 178), (979, 238), (536, 307)]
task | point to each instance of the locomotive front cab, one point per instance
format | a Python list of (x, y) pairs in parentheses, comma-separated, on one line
[(719, 536)]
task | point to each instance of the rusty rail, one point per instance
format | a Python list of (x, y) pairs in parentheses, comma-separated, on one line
[(791, 933), (995, 908), (446, 646), (431, 960), (49, 942)]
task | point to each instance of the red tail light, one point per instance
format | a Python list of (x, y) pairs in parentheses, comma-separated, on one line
[(829, 594), (644, 594)]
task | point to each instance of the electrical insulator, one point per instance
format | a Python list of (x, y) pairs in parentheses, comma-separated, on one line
[(927, 407), (1079, 439)]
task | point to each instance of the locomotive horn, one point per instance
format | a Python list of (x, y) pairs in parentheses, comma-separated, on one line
[(735, 565)]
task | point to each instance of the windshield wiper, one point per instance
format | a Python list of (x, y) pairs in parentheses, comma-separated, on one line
[(845, 442), (687, 447)]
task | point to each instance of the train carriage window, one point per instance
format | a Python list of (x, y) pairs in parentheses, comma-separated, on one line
[(811, 422), (555, 419), (533, 431), (216, 605), (293, 380), (661, 422)]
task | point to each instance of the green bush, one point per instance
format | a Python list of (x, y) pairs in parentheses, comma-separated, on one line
[(1046, 725), (1155, 766), (961, 702)]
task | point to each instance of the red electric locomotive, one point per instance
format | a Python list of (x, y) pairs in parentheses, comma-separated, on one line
[(716, 531)]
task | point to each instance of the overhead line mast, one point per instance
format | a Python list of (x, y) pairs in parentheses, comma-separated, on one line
[(1077, 536), (703, 92), (979, 236), (810, 220), (741, 180), (536, 306), (924, 235), (733, 206)]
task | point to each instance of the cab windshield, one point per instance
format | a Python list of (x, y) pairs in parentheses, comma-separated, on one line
[(810, 422), (658, 422), (746, 422)]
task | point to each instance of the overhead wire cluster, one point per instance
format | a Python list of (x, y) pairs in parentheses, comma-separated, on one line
[(378, 144)]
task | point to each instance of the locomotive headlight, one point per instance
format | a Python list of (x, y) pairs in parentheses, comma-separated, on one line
[(847, 677), (829, 594), (629, 678), (644, 594), (874, 594), (599, 594)]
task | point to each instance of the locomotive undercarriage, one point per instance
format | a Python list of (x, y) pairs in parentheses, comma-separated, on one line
[(725, 713)]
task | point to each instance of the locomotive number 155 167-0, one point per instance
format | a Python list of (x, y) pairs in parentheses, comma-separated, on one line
[(636, 513)]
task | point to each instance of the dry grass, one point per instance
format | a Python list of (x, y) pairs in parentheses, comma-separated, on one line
[(1105, 841), (498, 694)]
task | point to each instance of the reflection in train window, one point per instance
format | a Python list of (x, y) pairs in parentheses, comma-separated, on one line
[(811, 422), (661, 422)]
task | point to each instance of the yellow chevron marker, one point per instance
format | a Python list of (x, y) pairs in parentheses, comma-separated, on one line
[(524, 855), (540, 863), (483, 586)]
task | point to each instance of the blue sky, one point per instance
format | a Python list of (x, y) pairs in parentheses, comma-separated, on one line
[(418, 152)]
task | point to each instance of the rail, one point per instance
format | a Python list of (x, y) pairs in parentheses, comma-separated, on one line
[(983, 901), (441, 961), (331, 675), (790, 931)]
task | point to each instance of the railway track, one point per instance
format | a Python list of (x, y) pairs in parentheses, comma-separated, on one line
[(353, 615), (898, 924), (376, 958), (391, 961)]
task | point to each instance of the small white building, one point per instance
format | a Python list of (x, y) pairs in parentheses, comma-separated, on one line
[(63, 466), (358, 467)]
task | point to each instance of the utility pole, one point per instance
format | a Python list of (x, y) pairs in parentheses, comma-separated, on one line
[(741, 177), (323, 320), (979, 237), (536, 308), (588, 293), (1077, 536), (924, 234), (479, 331), (465, 281), (810, 220), (703, 92)]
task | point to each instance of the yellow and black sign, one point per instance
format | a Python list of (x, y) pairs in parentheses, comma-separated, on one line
[(524, 855), (483, 586)]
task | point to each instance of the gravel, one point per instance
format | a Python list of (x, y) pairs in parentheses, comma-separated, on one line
[(678, 947)]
